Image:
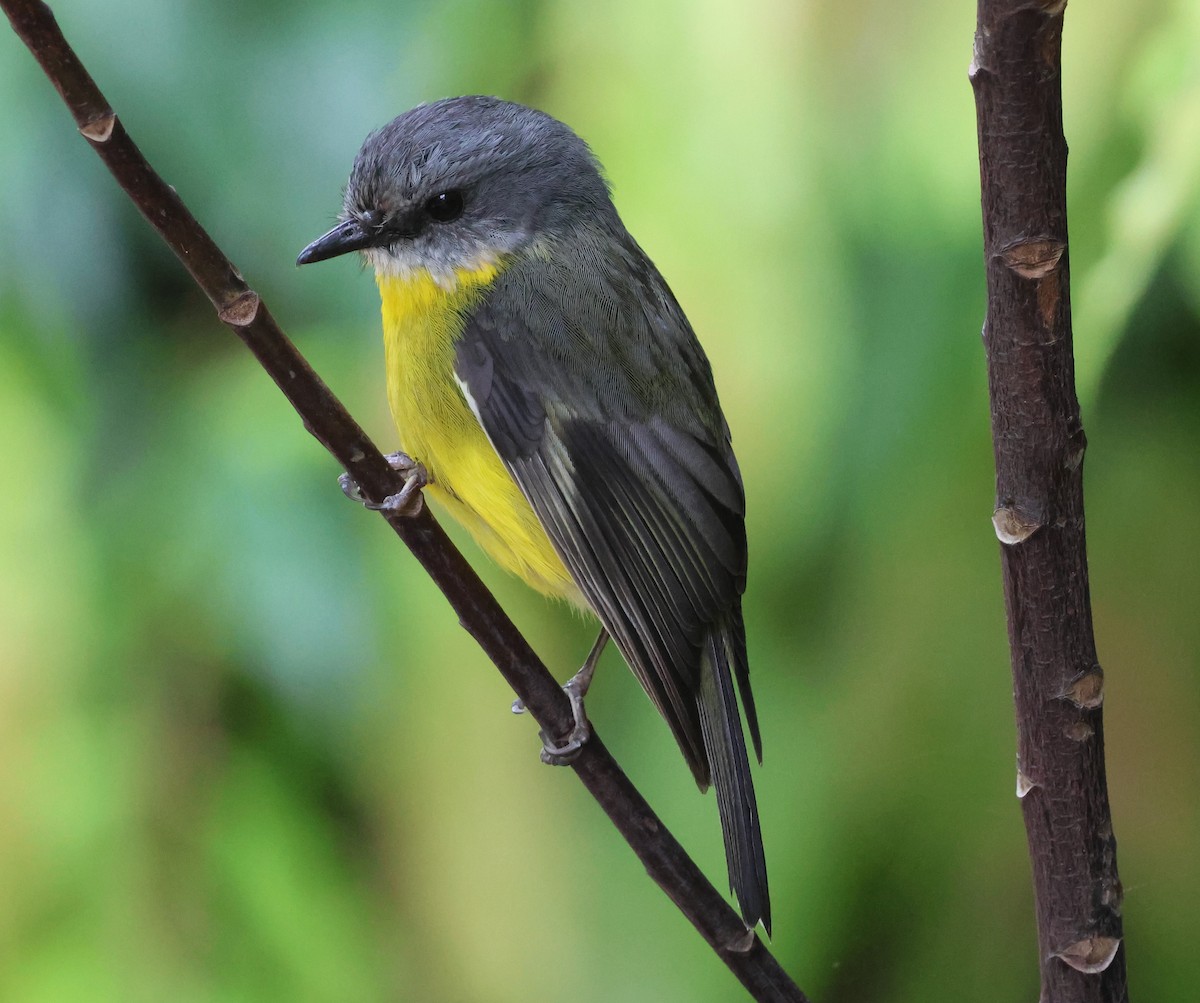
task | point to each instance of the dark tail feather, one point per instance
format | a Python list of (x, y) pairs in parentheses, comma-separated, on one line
[(741, 670), (721, 726)]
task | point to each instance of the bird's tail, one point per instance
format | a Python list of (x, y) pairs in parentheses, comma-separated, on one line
[(724, 659)]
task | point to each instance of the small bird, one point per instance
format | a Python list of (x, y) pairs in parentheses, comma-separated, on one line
[(552, 396)]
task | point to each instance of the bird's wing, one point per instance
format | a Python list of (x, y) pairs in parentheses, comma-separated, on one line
[(587, 379)]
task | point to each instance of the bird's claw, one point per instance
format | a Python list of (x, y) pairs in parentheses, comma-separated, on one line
[(563, 754), (408, 501)]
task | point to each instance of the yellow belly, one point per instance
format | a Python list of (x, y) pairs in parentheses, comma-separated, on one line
[(421, 321)]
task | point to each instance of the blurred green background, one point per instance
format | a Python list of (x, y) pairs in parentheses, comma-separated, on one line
[(247, 754)]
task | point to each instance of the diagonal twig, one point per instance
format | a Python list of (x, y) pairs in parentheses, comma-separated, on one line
[(239, 307)]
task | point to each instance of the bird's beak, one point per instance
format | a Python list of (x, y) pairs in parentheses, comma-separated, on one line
[(342, 239)]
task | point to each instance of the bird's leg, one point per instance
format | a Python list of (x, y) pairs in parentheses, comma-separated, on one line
[(407, 501), (576, 688)]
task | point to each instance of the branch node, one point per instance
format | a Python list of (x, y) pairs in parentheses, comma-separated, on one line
[(1024, 783), (1052, 8), (1112, 897), (1013, 526), (740, 943), (99, 128), (242, 310), (1034, 257), (1090, 955), (976, 71), (1079, 731), (1087, 692)]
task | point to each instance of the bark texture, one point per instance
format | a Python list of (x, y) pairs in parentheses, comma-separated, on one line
[(1039, 444)]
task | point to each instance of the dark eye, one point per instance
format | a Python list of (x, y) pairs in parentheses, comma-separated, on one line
[(445, 207)]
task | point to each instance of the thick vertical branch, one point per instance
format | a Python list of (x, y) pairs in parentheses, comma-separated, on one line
[(1039, 444)]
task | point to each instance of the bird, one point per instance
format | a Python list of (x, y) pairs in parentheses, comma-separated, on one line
[(551, 395)]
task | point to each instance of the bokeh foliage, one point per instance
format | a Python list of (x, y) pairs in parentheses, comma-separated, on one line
[(245, 752)]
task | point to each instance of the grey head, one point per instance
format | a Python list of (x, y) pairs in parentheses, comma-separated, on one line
[(461, 182)]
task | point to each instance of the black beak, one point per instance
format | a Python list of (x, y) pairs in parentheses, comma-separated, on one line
[(342, 239)]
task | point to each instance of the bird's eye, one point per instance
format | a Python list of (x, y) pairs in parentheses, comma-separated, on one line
[(445, 207)]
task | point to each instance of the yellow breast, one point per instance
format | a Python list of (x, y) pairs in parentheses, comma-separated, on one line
[(421, 321)]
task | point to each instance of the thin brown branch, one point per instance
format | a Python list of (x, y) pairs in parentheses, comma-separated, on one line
[(1039, 445), (239, 307)]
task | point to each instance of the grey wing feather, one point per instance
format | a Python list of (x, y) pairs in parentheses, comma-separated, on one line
[(620, 446), (621, 449)]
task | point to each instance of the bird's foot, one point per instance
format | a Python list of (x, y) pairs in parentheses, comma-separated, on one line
[(556, 754), (562, 754), (408, 501)]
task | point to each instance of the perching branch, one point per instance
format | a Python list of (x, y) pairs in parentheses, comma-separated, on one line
[(239, 307), (1039, 444)]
